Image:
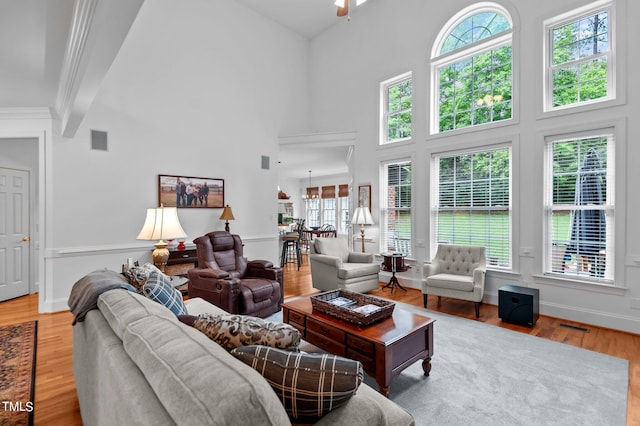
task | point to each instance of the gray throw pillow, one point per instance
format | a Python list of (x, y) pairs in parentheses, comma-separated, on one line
[(308, 385)]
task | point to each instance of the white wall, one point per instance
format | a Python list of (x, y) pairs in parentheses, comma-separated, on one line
[(385, 39), (202, 91)]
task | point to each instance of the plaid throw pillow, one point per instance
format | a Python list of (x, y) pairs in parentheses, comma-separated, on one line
[(308, 385), (158, 289)]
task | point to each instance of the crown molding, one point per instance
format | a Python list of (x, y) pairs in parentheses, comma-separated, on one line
[(26, 113), (320, 139)]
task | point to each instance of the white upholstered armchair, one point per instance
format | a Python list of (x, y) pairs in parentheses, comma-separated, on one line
[(334, 267), (458, 272)]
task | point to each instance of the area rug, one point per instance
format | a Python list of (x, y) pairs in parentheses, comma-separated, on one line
[(17, 373), (486, 375)]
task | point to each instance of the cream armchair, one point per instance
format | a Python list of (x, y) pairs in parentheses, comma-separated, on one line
[(334, 267), (456, 271)]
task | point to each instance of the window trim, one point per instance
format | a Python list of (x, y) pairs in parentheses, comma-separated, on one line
[(461, 16), (619, 127), (436, 61), (384, 112), (614, 77), (609, 208)]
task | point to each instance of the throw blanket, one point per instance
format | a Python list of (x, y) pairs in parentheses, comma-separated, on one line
[(85, 292)]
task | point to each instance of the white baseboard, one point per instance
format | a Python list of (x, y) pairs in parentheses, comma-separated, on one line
[(581, 315)]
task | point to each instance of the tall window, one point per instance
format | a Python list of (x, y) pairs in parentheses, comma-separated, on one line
[(396, 207), (313, 207), (396, 103), (471, 204), (472, 69), (580, 54), (329, 205), (579, 200), (343, 200)]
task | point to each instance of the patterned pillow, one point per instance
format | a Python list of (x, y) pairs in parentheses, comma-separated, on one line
[(233, 331), (158, 289), (308, 385), (138, 275)]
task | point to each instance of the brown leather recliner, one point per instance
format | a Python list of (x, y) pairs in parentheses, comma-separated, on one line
[(225, 278)]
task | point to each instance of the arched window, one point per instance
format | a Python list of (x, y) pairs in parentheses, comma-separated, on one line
[(472, 69)]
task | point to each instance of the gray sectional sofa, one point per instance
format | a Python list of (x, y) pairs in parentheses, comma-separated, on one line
[(135, 363)]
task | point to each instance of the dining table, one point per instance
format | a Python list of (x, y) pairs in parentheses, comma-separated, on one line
[(320, 233)]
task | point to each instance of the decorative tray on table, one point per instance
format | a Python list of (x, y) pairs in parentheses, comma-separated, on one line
[(352, 307)]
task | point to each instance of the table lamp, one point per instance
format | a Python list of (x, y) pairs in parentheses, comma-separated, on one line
[(227, 215), (362, 217), (161, 223)]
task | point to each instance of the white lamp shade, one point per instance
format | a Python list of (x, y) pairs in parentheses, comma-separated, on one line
[(161, 223), (362, 216)]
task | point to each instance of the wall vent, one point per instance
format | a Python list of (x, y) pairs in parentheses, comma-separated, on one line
[(265, 162), (99, 140)]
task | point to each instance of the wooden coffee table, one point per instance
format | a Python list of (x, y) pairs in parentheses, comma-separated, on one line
[(384, 348)]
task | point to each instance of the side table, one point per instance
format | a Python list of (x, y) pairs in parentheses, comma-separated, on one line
[(180, 283), (394, 262)]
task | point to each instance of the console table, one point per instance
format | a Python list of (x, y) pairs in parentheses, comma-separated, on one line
[(180, 261), (384, 348)]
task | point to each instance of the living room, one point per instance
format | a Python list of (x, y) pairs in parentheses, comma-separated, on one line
[(189, 85)]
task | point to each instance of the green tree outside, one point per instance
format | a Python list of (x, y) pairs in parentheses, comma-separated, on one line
[(399, 110), (575, 77)]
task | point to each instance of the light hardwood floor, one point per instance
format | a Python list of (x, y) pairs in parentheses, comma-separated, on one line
[(55, 395)]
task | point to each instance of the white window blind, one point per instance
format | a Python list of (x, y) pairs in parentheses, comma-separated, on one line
[(396, 208), (580, 207), (472, 202)]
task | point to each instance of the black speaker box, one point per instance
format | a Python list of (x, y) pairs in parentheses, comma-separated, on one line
[(518, 305)]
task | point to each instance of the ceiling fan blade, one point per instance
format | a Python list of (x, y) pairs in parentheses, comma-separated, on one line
[(344, 11)]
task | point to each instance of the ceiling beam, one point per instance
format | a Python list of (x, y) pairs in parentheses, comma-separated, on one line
[(98, 29)]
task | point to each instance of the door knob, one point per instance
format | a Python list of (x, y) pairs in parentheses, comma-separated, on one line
[(25, 239)]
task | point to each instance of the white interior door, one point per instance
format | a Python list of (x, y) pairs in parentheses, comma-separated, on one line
[(14, 233)]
